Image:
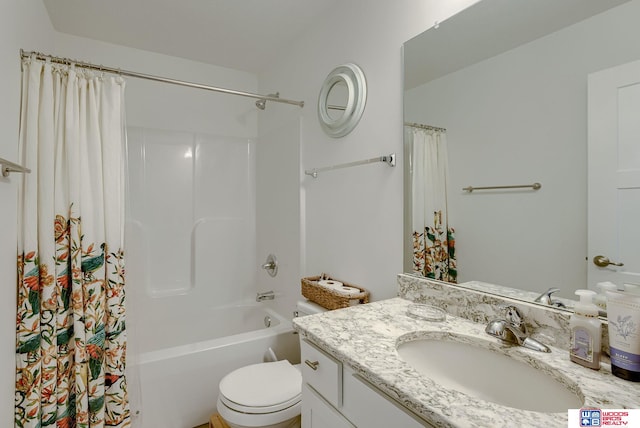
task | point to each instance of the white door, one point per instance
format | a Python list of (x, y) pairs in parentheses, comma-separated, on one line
[(614, 175)]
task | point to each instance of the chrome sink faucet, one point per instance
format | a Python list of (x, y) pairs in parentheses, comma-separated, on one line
[(546, 298), (512, 329)]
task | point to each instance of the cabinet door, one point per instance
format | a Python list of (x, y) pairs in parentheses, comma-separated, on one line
[(322, 372), (317, 413), (367, 407)]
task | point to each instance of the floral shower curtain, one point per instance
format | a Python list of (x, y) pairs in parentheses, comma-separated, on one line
[(70, 344), (433, 237)]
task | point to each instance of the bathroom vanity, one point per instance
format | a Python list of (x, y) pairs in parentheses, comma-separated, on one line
[(334, 395), (358, 370)]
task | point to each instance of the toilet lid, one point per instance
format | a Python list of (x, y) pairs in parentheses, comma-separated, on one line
[(262, 388)]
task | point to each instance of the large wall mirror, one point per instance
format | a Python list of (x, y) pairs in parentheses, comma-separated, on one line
[(507, 79)]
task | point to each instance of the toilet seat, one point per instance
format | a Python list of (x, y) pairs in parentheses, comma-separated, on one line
[(262, 388), (252, 410)]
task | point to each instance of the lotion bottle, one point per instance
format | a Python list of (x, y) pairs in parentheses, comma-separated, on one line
[(586, 332), (623, 313)]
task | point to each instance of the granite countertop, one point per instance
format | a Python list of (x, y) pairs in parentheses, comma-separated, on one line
[(365, 337)]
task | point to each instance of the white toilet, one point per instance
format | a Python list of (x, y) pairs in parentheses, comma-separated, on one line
[(264, 395)]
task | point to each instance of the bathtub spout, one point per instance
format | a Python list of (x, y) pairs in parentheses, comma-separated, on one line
[(268, 295)]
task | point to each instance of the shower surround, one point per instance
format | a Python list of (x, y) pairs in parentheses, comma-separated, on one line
[(191, 218), (191, 272)]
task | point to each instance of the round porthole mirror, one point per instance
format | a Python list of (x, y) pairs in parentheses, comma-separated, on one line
[(342, 99)]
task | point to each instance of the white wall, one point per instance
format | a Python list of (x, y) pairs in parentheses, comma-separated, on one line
[(521, 117), (158, 105), (352, 218), (23, 24)]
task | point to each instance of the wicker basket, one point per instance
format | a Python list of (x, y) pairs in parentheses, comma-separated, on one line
[(330, 299)]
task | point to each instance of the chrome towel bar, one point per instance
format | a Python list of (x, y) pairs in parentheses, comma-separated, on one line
[(534, 186), (388, 159)]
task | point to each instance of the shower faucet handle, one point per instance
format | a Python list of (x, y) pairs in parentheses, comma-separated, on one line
[(271, 265)]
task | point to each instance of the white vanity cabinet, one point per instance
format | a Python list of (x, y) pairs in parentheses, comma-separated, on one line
[(321, 389), (334, 396), (317, 413)]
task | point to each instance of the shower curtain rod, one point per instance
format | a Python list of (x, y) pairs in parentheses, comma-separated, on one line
[(24, 54), (428, 127)]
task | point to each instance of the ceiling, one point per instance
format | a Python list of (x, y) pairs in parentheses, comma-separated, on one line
[(240, 34), (481, 31)]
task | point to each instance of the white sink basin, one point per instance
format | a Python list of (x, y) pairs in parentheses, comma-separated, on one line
[(488, 375)]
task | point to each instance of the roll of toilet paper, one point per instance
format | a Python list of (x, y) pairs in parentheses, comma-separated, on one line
[(339, 287), (329, 283), (348, 291)]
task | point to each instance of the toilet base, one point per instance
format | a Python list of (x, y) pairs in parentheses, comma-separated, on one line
[(291, 423), (291, 417)]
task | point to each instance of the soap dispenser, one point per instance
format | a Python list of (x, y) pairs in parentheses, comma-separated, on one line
[(586, 331), (600, 299)]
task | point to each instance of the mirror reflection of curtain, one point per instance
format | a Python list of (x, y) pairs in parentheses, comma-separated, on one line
[(70, 348), (433, 237)]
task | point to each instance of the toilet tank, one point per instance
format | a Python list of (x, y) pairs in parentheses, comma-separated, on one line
[(307, 307)]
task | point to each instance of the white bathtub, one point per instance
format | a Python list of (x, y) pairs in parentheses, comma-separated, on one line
[(178, 380)]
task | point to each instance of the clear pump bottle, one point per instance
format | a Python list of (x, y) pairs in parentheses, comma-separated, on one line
[(586, 332)]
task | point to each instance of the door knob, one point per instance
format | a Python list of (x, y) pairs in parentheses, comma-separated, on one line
[(603, 261)]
